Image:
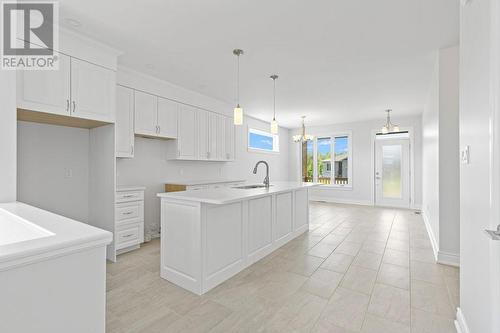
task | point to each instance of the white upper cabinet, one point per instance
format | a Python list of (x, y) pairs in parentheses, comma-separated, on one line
[(202, 131), (78, 88), (146, 114), (213, 129), (124, 125), (46, 90), (92, 91), (187, 137), (229, 139), (221, 145), (167, 118)]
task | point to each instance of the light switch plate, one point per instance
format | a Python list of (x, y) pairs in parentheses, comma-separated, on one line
[(465, 155)]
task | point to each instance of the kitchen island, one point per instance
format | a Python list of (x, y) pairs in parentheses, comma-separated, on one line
[(210, 235)]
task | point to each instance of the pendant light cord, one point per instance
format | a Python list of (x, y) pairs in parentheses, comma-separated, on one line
[(238, 82), (274, 101)]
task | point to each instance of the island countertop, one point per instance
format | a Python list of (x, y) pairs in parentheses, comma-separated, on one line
[(221, 196)]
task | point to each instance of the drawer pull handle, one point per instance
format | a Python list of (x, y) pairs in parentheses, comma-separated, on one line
[(127, 236), (128, 196), (128, 213)]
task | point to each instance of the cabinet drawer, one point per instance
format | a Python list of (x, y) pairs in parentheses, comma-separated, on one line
[(128, 237), (129, 211), (127, 196)]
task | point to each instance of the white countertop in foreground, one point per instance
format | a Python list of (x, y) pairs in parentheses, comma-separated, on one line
[(29, 234), (227, 195)]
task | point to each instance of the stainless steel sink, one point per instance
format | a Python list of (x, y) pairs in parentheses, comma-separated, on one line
[(248, 187)]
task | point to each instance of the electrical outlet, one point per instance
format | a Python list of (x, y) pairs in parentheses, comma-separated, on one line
[(465, 155), (68, 173)]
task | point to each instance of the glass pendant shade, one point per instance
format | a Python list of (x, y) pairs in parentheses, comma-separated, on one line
[(238, 115), (274, 127), (389, 127)]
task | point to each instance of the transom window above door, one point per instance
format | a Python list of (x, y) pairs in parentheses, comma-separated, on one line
[(327, 160)]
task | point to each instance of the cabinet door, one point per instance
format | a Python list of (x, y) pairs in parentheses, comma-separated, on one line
[(212, 135), (202, 130), (124, 126), (167, 118), (45, 90), (220, 137), (93, 91), (229, 138), (186, 135), (146, 116)]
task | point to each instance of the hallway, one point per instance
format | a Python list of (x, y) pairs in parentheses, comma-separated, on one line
[(358, 269)]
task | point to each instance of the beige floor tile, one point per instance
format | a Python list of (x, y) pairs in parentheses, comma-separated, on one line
[(399, 245), (431, 298), (374, 324), (338, 262), (426, 272), (349, 248), (374, 246), (306, 265), (359, 279), (367, 260), (345, 309), (394, 275), (424, 322), (390, 303), (322, 283), (395, 257), (322, 250), (424, 255)]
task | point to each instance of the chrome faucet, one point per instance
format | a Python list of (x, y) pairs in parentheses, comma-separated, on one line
[(266, 180)]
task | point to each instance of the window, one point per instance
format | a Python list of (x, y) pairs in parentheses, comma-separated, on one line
[(262, 141), (327, 160)]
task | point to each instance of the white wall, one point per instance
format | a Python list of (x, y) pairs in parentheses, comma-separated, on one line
[(53, 168), (440, 164), (8, 136), (150, 168), (480, 179), (362, 174)]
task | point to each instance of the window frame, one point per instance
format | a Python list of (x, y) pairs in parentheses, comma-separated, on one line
[(332, 137), (275, 137)]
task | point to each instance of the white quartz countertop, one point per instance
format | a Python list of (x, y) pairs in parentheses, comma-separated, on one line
[(227, 195), (29, 234), (203, 182)]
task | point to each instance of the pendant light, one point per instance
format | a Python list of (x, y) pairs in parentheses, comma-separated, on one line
[(389, 127), (238, 110), (274, 123), (303, 137)]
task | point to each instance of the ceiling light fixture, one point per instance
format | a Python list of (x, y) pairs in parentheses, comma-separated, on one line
[(274, 123), (303, 137), (238, 110), (389, 127)]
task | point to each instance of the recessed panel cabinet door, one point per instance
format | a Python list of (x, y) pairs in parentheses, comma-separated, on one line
[(221, 143), (124, 126), (229, 138), (146, 114), (202, 131), (212, 135), (186, 135), (93, 91), (167, 118), (45, 90)]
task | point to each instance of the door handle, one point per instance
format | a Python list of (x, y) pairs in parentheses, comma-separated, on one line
[(67, 105), (74, 106), (494, 234)]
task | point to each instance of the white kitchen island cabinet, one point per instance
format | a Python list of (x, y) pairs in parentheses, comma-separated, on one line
[(210, 235)]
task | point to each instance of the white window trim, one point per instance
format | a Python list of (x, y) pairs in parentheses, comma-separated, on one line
[(276, 141), (332, 136)]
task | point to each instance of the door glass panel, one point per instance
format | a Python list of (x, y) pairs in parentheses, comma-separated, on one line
[(391, 171), (324, 160)]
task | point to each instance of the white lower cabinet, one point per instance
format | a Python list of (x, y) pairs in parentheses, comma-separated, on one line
[(129, 219)]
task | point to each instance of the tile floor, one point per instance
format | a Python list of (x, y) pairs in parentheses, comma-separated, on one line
[(358, 269)]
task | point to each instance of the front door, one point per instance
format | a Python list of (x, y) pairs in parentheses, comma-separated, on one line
[(392, 171)]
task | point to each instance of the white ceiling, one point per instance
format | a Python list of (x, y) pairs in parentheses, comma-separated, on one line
[(337, 60)]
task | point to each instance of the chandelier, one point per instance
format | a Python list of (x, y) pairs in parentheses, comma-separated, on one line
[(303, 137)]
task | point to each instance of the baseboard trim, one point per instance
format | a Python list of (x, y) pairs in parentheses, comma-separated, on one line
[(428, 227), (447, 258), (460, 323), (341, 201)]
